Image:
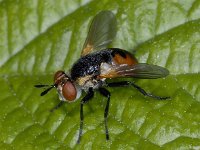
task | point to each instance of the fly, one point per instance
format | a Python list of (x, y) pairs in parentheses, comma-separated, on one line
[(98, 63)]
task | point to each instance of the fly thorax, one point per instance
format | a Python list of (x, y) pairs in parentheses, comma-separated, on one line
[(88, 81)]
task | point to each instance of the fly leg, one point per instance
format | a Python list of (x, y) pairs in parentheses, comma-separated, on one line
[(128, 83), (106, 93), (87, 97), (57, 106)]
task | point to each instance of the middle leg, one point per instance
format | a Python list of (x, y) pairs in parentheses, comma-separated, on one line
[(106, 93)]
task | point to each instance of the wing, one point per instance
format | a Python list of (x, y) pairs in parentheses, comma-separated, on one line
[(101, 33), (141, 70)]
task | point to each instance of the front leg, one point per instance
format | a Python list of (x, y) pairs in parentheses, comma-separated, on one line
[(87, 97), (57, 106), (128, 83)]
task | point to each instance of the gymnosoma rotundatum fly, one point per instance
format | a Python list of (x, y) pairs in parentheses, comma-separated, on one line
[(98, 63)]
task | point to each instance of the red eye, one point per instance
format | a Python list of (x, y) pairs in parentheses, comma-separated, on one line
[(58, 74), (69, 91)]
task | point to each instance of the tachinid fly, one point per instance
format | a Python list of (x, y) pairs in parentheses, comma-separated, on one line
[(97, 63)]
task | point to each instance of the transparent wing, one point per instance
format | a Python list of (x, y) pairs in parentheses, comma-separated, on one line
[(101, 32), (142, 71)]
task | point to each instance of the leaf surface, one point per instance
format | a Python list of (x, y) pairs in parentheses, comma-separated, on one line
[(37, 38)]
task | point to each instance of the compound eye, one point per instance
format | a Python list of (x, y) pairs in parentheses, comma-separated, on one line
[(69, 91), (58, 74)]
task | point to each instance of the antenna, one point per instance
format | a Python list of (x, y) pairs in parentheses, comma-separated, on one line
[(45, 91)]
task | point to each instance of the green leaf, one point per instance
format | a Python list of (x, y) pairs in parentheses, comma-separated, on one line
[(37, 38)]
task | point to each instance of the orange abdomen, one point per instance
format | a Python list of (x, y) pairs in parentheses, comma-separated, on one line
[(124, 57)]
